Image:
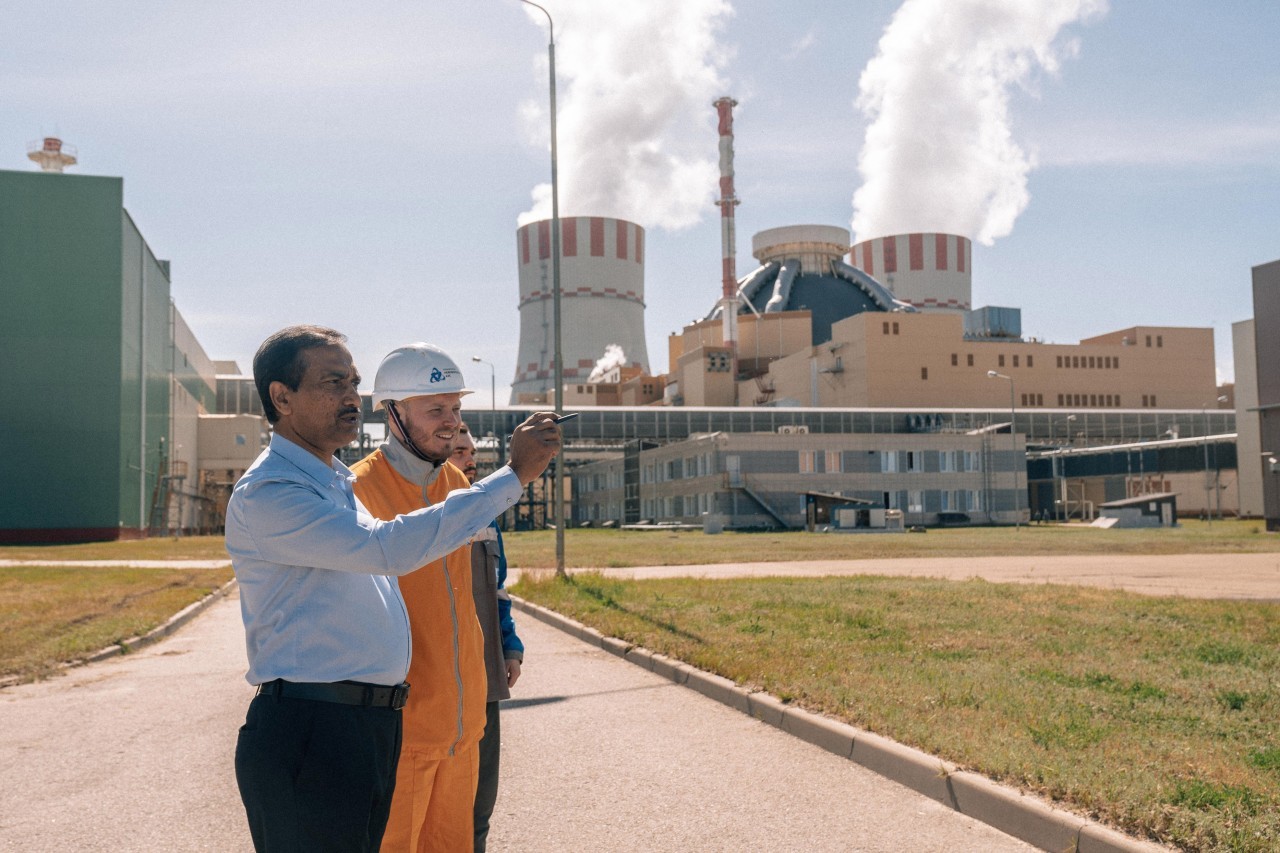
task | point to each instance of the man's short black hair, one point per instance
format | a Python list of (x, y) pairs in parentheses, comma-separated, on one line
[(280, 359)]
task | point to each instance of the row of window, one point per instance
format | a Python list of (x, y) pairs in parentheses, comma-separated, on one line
[(675, 469), (955, 360), (1089, 362), (1030, 361), (912, 461), (832, 462), (684, 506), (678, 506), (1093, 401), (1071, 362)]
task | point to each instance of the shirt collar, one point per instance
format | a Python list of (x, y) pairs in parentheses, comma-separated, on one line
[(308, 463), (415, 470)]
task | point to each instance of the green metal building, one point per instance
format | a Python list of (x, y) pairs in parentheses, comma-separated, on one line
[(86, 339)]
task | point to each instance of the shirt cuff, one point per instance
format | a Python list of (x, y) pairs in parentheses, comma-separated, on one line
[(504, 486)]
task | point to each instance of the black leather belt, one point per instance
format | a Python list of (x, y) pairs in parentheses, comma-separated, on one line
[(342, 692)]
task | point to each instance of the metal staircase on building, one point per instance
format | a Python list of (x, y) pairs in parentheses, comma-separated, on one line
[(162, 496), (739, 483)]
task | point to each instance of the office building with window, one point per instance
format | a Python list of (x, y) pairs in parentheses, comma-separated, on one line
[(759, 480)]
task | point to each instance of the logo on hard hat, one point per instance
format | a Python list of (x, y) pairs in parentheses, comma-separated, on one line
[(438, 375)]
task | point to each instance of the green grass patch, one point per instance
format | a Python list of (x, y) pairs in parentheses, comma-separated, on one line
[(1155, 715), (155, 548), (51, 615), (593, 548)]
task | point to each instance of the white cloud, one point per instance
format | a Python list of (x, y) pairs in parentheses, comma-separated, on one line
[(940, 152), (802, 44), (636, 130)]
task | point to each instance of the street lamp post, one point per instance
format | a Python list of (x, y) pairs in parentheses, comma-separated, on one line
[(1062, 470), (557, 488), (499, 444), (1013, 446), (1208, 505), (493, 396)]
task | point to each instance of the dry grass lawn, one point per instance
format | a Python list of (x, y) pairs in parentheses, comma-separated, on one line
[(51, 615), (1155, 715)]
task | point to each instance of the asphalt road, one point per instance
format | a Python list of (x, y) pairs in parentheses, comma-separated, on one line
[(135, 754), (601, 755)]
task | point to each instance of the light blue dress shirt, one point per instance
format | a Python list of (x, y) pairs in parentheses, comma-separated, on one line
[(317, 573)]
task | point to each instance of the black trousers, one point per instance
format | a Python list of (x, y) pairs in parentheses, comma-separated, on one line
[(487, 789), (317, 776)]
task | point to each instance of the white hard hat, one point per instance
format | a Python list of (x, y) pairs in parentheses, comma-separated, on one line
[(416, 370)]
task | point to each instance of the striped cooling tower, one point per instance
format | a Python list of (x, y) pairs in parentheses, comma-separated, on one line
[(933, 272), (601, 303)]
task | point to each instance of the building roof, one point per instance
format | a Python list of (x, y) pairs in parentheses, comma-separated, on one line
[(839, 498), (1139, 500)]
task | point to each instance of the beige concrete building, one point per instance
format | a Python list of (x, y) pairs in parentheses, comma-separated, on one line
[(702, 366), (879, 359), (618, 386)]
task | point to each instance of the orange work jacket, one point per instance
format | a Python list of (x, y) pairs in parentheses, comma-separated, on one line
[(447, 682)]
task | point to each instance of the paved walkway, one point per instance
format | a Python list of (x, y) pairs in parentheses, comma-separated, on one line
[(134, 754), (601, 755), (1246, 576), (131, 754)]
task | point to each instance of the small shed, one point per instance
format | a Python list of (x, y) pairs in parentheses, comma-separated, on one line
[(821, 510), (1156, 510)]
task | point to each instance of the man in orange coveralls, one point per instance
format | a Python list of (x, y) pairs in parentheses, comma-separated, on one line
[(421, 388)]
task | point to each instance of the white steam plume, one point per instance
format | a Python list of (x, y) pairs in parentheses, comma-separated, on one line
[(939, 154), (636, 132), (613, 357)]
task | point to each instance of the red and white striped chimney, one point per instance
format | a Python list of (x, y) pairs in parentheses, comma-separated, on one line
[(728, 201)]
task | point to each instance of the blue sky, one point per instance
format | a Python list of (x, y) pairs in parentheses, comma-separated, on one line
[(364, 165)]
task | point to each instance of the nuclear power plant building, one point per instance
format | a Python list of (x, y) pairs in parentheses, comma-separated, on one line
[(892, 326)]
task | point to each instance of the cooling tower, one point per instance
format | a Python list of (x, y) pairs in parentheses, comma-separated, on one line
[(601, 300), (933, 272)]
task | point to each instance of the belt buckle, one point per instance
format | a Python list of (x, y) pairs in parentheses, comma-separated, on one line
[(399, 695)]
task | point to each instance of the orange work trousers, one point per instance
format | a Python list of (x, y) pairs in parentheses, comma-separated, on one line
[(431, 810)]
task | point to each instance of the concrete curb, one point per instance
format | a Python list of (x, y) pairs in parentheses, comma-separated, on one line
[(1023, 816), (173, 623)]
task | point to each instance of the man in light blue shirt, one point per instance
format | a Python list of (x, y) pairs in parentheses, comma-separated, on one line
[(326, 630)]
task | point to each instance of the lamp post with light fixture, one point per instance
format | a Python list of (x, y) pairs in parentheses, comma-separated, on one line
[(493, 397), (1062, 469), (1208, 506), (499, 445), (1013, 446), (557, 488)]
